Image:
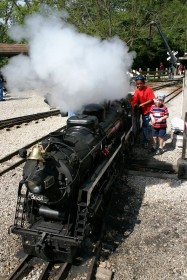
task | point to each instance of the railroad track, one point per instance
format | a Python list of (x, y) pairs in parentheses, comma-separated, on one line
[(29, 263), (26, 119), (173, 94), (13, 159), (84, 266), (169, 83), (178, 89), (80, 268)]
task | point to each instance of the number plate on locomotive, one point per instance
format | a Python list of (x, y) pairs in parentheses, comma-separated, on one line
[(37, 197)]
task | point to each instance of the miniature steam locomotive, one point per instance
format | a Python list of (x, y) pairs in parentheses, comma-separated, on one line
[(68, 177)]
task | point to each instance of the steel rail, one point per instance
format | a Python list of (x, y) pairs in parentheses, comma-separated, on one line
[(64, 269), (45, 272), (175, 94), (15, 153), (25, 119), (26, 265), (22, 268), (166, 85)]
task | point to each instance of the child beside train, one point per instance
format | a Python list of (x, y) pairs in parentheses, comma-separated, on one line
[(158, 114)]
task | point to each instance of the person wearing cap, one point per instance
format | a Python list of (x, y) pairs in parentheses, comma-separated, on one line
[(143, 98), (159, 114)]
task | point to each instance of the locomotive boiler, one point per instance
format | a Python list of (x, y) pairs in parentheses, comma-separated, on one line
[(68, 177)]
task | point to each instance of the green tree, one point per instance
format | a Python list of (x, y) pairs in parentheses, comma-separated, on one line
[(130, 20)]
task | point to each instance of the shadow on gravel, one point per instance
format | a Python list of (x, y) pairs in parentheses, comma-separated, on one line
[(165, 163), (122, 216), (128, 197)]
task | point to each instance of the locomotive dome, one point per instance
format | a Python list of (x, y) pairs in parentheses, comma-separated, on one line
[(95, 110)]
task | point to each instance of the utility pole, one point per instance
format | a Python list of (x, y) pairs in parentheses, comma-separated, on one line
[(183, 60)]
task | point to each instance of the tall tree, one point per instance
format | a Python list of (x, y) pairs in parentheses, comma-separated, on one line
[(130, 20)]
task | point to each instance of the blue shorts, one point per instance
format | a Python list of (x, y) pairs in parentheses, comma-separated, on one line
[(159, 132)]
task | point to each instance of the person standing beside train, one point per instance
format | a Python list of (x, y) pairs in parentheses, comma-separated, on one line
[(1, 87), (159, 114), (143, 98)]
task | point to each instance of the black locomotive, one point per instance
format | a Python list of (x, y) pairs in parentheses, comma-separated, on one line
[(68, 177)]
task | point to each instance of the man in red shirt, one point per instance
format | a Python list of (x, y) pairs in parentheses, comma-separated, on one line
[(143, 97)]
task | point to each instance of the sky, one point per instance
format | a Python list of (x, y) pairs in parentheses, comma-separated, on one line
[(71, 68)]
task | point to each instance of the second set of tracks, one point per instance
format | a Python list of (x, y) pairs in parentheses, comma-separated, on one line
[(8, 123)]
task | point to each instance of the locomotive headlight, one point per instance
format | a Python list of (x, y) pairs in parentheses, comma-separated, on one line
[(33, 187)]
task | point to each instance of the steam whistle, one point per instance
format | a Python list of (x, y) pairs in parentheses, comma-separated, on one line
[(36, 153)]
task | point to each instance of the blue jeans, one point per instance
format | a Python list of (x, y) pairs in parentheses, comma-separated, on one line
[(1, 90), (145, 127)]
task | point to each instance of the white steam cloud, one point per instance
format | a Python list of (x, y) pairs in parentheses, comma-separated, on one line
[(74, 69)]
